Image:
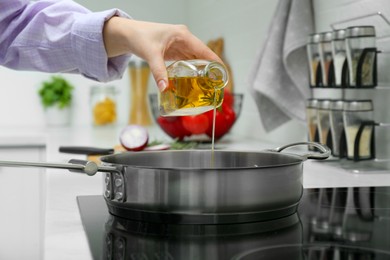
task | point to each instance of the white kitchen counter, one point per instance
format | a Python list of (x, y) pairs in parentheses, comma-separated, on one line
[(64, 235), (22, 137)]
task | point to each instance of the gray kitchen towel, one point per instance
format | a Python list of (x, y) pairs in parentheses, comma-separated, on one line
[(279, 78)]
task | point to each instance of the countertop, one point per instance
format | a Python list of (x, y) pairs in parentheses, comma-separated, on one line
[(64, 236)]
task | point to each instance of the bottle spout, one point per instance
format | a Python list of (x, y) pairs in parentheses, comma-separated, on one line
[(217, 74)]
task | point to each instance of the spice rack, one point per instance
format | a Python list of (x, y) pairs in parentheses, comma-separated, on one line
[(369, 143)]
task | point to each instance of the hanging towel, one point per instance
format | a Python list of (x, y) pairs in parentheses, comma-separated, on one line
[(279, 78)]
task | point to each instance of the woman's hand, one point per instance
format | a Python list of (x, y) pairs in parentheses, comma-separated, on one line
[(155, 43)]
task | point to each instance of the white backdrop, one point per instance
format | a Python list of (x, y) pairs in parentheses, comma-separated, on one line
[(243, 25)]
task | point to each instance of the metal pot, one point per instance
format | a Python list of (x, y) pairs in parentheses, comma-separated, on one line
[(199, 186)]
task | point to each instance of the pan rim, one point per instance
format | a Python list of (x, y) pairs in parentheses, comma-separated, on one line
[(299, 159)]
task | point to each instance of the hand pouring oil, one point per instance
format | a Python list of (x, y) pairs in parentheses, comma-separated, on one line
[(194, 87)]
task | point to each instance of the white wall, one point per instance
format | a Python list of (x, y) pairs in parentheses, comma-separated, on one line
[(243, 25), (167, 11)]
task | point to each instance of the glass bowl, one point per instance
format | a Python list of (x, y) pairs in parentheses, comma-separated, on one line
[(199, 127)]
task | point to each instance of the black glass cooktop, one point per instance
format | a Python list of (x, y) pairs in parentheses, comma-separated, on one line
[(331, 224)]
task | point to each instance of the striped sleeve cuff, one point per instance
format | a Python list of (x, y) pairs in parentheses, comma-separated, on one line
[(88, 47)]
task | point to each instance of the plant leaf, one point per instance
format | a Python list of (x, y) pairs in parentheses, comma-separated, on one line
[(57, 91)]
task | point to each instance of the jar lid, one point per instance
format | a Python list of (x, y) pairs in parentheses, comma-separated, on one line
[(336, 105), (326, 37), (323, 103), (314, 38), (360, 31), (103, 89), (312, 103), (338, 35), (358, 105)]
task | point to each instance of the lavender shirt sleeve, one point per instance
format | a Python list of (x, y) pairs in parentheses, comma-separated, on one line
[(57, 36)]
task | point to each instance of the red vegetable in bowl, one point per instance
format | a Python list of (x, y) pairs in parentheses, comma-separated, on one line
[(173, 126), (228, 98), (197, 127), (134, 138), (224, 120), (196, 124)]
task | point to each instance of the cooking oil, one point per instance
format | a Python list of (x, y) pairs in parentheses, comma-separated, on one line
[(212, 162), (194, 87), (191, 95)]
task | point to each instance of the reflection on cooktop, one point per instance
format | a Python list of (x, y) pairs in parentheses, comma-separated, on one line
[(313, 252), (331, 223)]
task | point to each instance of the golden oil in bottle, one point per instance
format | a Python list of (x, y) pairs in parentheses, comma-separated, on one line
[(190, 96), (194, 87)]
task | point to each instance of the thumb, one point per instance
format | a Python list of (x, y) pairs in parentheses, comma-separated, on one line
[(159, 72)]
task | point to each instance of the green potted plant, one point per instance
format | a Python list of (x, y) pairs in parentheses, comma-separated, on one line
[(56, 98)]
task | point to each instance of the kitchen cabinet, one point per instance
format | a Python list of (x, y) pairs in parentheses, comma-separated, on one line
[(22, 193)]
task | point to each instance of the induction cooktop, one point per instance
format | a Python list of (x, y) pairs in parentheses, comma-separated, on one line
[(330, 224)]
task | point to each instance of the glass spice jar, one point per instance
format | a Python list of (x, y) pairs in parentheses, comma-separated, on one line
[(339, 56), (323, 120), (336, 124), (325, 47), (355, 113), (311, 119), (313, 56), (361, 52), (103, 105)]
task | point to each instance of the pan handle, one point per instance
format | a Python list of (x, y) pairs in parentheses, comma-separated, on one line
[(81, 166), (324, 150), (85, 150)]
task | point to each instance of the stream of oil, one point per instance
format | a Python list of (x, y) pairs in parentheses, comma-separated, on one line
[(212, 162), (191, 94)]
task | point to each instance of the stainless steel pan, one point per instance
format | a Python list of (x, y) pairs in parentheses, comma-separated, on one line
[(189, 187)]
